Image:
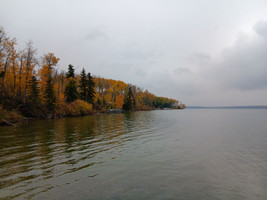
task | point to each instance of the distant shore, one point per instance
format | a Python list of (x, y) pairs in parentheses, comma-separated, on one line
[(226, 107)]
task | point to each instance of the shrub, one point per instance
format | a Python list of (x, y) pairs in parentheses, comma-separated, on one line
[(76, 108), (9, 116)]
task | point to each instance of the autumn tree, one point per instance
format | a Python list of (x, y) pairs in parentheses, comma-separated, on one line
[(90, 88), (7, 49), (14, 70), (119, 101), (49, 61), (71, 93), (3, 54), (30, 62), (20, 73), (60, 84)]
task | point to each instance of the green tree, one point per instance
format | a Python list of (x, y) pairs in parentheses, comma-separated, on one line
[(49, 95), (32, 106), (83, 85), (71, 93), (129, 101), (90, 88), (33, 91), (70, 73)]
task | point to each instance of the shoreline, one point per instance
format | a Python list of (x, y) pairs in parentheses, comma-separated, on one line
[(27, 120)]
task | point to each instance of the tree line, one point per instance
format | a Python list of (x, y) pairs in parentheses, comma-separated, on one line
[(35, 86)]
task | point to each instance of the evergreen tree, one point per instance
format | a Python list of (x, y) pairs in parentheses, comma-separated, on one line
[(70, 73), (129, 101), (32, 106), (71, 93), (90, 88), (33, 91), (49, 95), (83, 85)]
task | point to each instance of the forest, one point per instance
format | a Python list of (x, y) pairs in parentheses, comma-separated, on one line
[(34, 87)]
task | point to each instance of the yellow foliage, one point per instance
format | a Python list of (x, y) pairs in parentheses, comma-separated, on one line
[(76, 108), (49, 62)]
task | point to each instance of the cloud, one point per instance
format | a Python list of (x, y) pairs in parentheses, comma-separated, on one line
[(261, 28), (136, 54), (95, 34), (199, 57), (182, 70), (140, 72), (236, 76), (244, 65)]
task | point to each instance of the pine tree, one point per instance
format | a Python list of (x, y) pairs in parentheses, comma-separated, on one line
[(49, 96), (33, 91), (129, 101), (90, 88), (83, 85), (70, 73), (71, 93)]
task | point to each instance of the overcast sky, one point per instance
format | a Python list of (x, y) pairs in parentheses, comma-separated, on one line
[(207, 52)]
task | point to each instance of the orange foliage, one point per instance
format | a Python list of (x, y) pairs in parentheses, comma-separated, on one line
[(119, 101), (17, 69)]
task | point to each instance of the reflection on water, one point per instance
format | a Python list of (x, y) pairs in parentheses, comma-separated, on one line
[(190, 154), (32, 155)]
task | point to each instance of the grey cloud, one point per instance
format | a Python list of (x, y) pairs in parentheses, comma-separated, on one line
[(140, 72), (261, 28), (199, 57), (134, 51), (182, 70), (244, 65), (95, 34), (171, 86), (132, 54)]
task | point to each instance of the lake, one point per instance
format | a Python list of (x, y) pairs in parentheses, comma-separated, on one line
[(186, 154)]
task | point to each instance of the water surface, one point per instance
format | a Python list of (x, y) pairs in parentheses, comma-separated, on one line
[(170, 154)]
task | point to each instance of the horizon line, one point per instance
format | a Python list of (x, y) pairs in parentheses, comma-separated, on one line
[(236, 106)]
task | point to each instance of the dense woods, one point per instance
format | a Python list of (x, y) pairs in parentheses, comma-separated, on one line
[(34, 87)]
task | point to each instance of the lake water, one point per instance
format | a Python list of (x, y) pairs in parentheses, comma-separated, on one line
[(169, 154)]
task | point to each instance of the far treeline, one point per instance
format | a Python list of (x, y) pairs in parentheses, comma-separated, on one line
[(34, 87)]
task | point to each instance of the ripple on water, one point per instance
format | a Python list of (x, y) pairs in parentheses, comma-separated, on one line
[(190, 154)]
